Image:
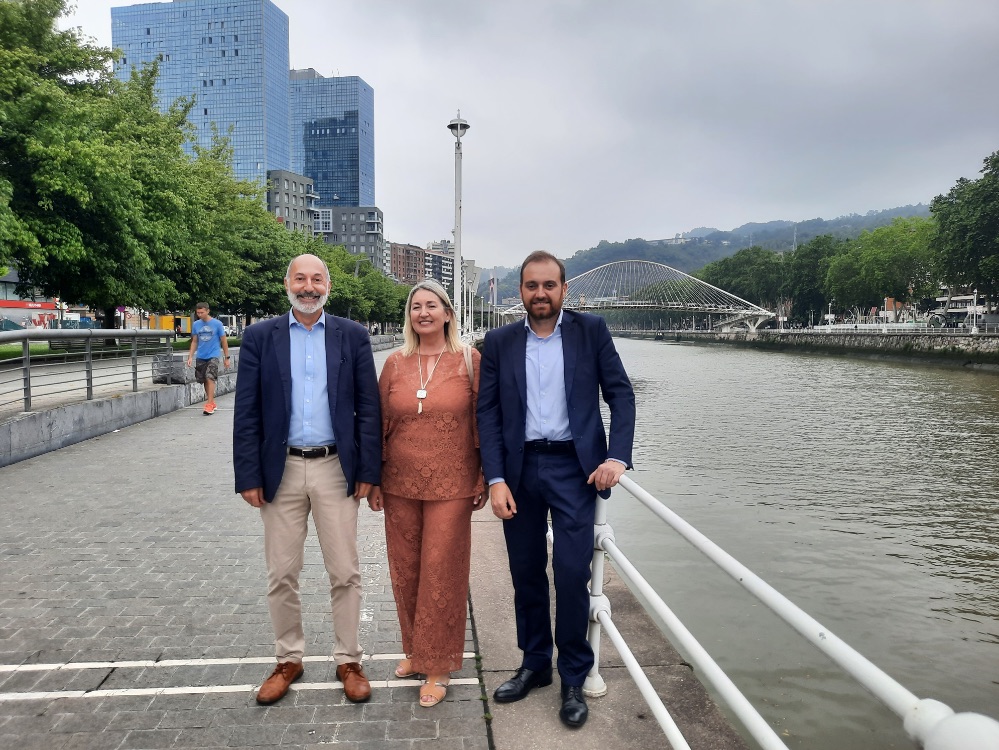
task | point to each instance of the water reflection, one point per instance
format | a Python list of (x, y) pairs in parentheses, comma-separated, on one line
[(863, 490)]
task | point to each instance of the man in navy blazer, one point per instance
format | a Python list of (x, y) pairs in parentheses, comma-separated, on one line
[(307, 439), (544, 450)]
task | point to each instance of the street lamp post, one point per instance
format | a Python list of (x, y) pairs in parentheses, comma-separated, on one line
[(457, 126)]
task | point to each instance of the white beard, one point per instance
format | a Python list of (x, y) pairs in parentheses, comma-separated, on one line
[(307, 306)]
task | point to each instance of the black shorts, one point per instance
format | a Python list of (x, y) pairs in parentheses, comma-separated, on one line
[(206, 369)]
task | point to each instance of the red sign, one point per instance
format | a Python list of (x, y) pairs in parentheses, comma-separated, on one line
[(23, 304)]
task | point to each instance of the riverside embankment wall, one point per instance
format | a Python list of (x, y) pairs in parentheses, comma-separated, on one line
[(950, 349)]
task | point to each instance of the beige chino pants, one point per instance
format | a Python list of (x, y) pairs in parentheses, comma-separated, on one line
[(315, 485)]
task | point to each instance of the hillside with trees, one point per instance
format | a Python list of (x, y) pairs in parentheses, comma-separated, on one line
[(911, 260), (695, 249)]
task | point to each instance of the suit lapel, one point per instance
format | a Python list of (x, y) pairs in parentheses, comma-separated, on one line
[(282, 351), (520, 358), (334, 346), (570, 347)]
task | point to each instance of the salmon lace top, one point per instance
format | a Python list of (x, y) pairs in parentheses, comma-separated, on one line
[(433, 455)]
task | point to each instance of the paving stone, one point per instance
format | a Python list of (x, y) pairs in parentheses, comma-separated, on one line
[(310, 734), (89, 722), (363, 730), (414, 729), (126, 720), (254, 736), (204, 737), (149, 739)]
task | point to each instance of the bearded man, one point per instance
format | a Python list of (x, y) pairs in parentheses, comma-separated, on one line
[(307, 439), (545, 452)]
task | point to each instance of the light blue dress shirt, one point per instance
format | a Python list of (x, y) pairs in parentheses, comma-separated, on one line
[(547, 408), (311, 424)]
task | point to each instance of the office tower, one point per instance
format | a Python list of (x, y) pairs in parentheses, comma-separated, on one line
[(232, 56), (358, 228), (333, 136), (290, 198)]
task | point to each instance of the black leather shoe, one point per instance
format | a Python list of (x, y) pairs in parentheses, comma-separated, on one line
[(574, 711), (518, 686)]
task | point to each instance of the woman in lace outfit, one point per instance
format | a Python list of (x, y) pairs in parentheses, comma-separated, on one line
[(431, 483)]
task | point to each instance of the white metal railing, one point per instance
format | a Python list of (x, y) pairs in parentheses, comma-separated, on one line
[(930, 723)]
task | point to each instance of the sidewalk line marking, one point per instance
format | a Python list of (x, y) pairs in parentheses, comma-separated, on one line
[(8, 668), (207, 689)]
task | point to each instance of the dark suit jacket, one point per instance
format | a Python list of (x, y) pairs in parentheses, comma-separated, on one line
[(592, 366), (263, 403)]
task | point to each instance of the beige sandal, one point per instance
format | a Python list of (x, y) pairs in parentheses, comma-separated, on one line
[(433, 691), (405, 669)]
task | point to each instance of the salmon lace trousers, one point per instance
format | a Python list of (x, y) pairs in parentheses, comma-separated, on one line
[(429, 546)]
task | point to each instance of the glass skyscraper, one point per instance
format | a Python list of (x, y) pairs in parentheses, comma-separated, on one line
[(333, 136), (232, 56)]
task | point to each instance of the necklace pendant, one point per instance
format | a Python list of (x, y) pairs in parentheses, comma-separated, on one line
[(421, 393), (419, 409)]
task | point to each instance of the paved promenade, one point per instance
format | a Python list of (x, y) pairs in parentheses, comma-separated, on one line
[(133, 615)]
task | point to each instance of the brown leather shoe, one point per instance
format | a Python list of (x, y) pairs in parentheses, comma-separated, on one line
[(355, 684), (275, 686)]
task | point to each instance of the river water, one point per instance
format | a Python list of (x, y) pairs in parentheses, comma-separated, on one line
[(864, 491)]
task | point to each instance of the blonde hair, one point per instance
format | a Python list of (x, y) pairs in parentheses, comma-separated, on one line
[(411, 339)]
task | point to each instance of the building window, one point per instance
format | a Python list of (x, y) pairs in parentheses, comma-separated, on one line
[(223, 53), (236, 53), (147, 32), (206, 111)]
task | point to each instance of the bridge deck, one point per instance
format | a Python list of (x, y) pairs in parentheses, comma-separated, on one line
[(132, 605)]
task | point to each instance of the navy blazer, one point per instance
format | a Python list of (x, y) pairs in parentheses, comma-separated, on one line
[(263, 403), (592, 367)]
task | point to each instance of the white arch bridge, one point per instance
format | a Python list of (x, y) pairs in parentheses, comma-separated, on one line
[(645, 285)]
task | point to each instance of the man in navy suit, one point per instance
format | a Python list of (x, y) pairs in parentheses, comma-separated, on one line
[(544, 450), (307, 439)]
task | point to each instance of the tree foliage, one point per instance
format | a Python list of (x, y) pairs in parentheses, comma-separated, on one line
[(967, 239)]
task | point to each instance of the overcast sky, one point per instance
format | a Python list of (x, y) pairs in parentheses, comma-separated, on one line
[(595, 120)]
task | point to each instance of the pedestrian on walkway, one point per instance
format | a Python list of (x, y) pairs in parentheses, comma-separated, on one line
[(431, 483), (307, 439), (208, 342), (544, 450)]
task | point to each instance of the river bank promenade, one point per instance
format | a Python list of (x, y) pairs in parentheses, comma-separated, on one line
[(133, 615)]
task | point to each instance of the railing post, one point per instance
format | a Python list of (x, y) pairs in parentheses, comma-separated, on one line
[(135, 364), (88, 360), (594, 685), (169, 357), (26, 370)]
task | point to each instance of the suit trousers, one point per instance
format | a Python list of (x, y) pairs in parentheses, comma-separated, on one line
[(315, 485), (554, 484)]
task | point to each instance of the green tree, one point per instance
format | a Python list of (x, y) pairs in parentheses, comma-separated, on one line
[(95, 176), (806, 268), (754, 274), (967, 239)]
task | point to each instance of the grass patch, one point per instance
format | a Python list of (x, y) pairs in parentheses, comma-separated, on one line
[(13, 351)]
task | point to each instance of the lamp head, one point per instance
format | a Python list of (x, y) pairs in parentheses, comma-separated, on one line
[(457, 126)]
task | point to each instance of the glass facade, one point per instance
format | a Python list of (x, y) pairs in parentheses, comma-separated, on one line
[(333, 139), (232, 57)]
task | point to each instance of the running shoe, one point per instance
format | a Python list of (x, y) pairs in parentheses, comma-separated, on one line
[(210, 408)]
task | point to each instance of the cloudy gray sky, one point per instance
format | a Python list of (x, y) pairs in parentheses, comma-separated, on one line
[(594, 120)]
